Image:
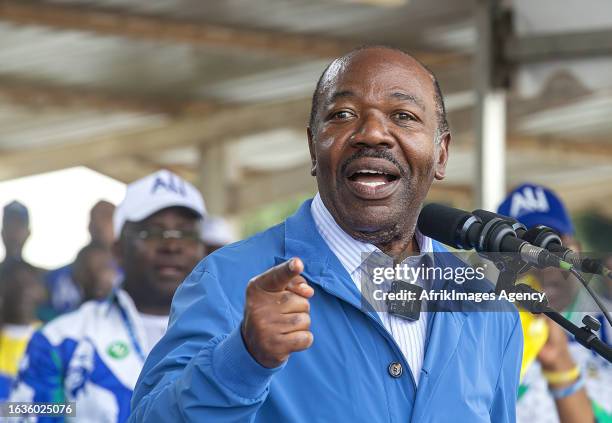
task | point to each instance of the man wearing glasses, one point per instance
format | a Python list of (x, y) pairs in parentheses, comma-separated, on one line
[(93, 356)]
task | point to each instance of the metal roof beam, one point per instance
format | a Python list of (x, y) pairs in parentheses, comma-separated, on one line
[(154, 28), (221, 126), (593, 150), (571, 45), (35, 95)]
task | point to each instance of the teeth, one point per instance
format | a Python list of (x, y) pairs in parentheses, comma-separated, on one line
[(371, 171), (372, 184)]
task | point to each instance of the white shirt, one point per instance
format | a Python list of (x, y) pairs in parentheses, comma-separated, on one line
[(409, 336), (153, 328)]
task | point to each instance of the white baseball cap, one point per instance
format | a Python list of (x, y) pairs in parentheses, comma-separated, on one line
[(153, 193), (217, 231)]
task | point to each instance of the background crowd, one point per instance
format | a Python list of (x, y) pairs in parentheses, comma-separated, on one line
[(31, 297)]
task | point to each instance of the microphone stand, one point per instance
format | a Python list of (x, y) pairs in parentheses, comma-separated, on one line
[(509, 268)]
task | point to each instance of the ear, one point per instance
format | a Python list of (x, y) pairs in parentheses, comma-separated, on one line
[(442, 156), (311, 148)]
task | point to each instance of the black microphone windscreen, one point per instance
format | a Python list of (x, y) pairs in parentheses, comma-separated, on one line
[(486, 215), (442, 223)]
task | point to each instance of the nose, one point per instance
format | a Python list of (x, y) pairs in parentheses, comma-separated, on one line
[(372, 131), (170, 246)]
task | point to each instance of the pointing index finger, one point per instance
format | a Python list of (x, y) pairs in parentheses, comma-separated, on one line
[(278, 277)]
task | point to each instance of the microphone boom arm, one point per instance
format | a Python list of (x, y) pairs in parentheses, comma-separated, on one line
[(509, 269)]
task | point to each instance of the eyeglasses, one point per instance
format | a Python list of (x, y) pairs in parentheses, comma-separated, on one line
[(158, 235)]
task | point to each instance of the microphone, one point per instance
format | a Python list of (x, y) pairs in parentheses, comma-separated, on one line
[(585, 264), (545, 237), (464, 230), (486, 215)]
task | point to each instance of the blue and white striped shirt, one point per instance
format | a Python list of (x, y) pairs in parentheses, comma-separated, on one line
[(410, 336)]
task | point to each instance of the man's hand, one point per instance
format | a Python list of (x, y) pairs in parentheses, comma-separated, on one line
[(277, 314)]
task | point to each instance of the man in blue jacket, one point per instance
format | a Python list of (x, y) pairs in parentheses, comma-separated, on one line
[(274, 329)]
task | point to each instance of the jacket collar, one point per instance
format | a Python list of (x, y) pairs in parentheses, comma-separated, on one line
[(321, 267)]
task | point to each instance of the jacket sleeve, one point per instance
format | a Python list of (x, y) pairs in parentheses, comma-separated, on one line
[(40, 376), (504, 402), (201, 369)]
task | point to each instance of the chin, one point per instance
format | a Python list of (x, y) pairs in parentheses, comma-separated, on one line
[(349, 204), (165, 295), (167, 286), (374, 227)]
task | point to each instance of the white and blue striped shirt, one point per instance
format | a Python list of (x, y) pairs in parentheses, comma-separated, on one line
[(410, 336)]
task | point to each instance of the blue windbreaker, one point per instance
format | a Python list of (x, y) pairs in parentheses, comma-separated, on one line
[(201, 370)]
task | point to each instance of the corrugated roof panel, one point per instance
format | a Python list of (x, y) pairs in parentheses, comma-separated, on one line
[(22, 129), (588, 116), (133, 66), (325, 17)]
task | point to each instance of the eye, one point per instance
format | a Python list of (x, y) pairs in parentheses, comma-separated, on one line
[(341, 115), (403, 116)]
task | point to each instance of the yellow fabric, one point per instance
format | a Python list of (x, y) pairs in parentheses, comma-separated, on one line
[(11, 351), (562, 377), (535, 330), (535, 334)]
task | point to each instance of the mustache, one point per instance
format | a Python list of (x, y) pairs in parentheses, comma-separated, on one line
[(373, 153)]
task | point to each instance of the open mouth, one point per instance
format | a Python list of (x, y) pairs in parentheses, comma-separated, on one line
[(170, 271), (372, 178)]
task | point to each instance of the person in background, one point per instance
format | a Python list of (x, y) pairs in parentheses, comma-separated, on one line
[(22, 291), (101, 224), (93, 356), (65, 294), (567, 383), (217, 233), (15, 231), (94, 272)]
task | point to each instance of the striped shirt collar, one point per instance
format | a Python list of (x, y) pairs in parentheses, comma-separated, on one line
[(351, 252)]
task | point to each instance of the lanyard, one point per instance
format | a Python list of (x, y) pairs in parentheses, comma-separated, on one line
[(131, 332)]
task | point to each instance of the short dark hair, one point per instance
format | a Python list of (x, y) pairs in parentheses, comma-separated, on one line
[(90, 249), (438, 97)]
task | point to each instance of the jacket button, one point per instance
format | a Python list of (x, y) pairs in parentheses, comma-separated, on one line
[(395, 369)]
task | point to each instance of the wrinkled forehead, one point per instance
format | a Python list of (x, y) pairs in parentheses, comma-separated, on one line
[(378, 69)]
